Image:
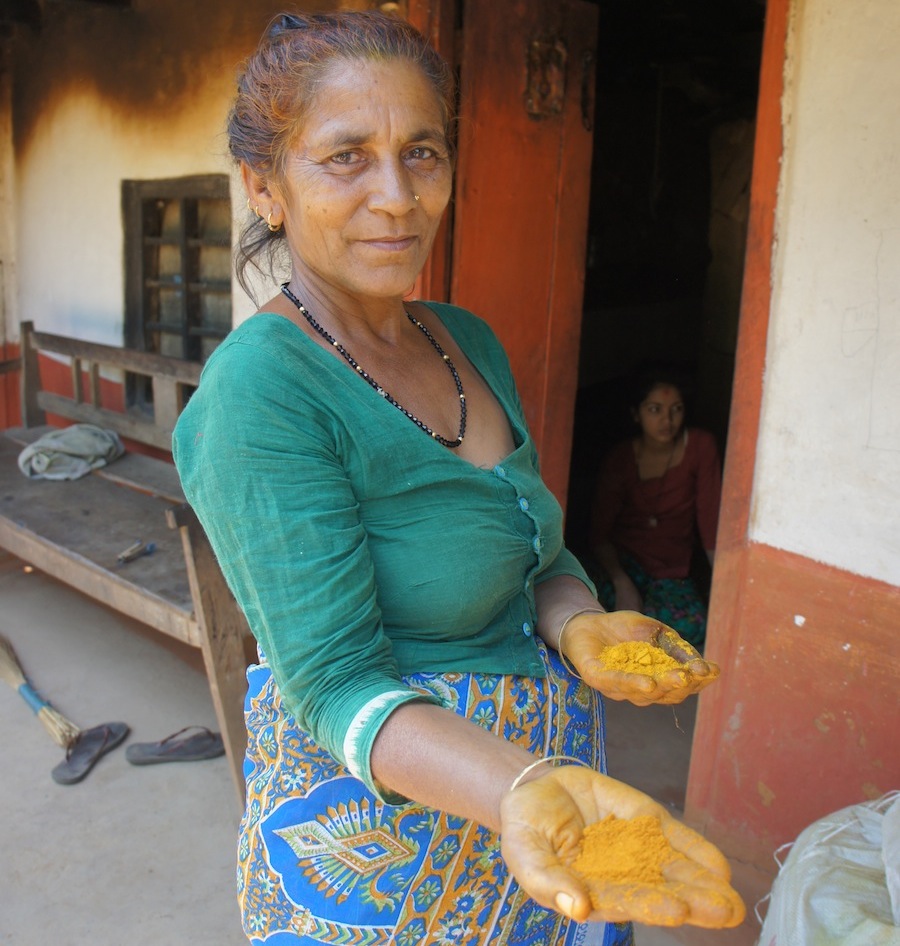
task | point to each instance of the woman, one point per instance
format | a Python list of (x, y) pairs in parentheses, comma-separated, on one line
[(363, 470), (657, 493)]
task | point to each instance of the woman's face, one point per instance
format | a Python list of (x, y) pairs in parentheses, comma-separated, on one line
[(661, 414), (367, 180)]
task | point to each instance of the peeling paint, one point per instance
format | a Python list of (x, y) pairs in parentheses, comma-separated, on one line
[(871, 790), (799, 620), (734, 721), (766, 795), (861, 740), (824, 720)]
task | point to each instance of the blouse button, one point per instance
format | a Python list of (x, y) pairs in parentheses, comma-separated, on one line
[(526, 629), (536, 543), (523, 504), (500, 471)]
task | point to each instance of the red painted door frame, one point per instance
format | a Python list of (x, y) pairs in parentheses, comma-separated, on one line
[(518, 224), (800, 724), (521, 208), (744, 418), (436, 19)]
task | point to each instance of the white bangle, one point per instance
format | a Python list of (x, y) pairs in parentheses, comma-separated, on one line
[(517, 781), (562, 630)]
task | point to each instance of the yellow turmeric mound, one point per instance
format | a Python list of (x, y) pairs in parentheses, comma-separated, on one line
[(638, 657), (620, 850)]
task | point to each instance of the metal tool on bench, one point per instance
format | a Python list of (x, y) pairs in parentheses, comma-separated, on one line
[(136, 550)]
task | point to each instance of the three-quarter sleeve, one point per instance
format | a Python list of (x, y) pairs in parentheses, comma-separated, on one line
[(260, 464)]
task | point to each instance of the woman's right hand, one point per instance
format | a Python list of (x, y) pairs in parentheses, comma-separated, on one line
[(589, 632), (542, 823)]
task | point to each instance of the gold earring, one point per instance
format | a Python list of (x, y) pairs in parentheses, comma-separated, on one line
[(273, 228)]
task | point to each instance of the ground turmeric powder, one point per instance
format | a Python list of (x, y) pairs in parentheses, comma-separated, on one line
[(639, 657), (624, 850)]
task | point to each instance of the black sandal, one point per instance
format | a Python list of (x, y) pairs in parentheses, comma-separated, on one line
[(202, 744), (86, 750)]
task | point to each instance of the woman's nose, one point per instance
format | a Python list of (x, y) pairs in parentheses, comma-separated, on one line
[(392, 189)]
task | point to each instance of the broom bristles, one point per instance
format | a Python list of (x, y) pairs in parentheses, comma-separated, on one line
[(63, 730), (10, 671)]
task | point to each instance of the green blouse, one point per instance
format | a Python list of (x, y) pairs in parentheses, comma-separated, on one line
[(359, 548)]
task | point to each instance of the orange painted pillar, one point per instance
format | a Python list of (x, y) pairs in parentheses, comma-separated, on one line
[(804, 717)]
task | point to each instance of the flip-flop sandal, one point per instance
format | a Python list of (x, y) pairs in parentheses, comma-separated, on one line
[(84, 753), (203, 744)]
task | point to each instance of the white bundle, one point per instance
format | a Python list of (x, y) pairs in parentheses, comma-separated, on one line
[(840, 884)]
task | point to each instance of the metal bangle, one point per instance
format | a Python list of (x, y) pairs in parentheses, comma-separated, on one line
[(517, 781)]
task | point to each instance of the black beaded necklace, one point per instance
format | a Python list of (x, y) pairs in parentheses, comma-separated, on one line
[(374, 384)]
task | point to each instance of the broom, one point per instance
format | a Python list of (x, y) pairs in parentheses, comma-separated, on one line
[(64, 732)]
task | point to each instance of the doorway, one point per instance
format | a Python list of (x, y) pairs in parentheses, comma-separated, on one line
[(676, 94)]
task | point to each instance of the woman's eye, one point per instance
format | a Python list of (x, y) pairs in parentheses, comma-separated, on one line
[(346, 158), (421, 154)]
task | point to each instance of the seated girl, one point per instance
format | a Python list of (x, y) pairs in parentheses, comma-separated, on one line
[(657, 494)]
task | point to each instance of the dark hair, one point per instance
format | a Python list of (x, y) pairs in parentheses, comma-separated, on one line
[(650, 375), (277, 85)]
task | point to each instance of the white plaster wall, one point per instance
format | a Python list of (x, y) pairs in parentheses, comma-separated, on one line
[(69, 216), (828, 468)]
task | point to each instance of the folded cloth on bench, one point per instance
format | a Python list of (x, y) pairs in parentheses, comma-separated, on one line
[(70, 452)]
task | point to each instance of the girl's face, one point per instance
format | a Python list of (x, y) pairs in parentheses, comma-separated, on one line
[(367, 180), (661, 414)]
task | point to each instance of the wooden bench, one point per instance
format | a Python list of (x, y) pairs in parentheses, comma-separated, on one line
[(75, 530)]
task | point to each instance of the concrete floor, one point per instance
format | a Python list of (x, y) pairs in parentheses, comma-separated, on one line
[(145, 855), (136, 855)]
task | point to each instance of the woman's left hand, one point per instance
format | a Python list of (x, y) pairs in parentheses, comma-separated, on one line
[(542, 826), (587, 634)]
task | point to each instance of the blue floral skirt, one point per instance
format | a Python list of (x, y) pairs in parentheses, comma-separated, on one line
[(323, 860)]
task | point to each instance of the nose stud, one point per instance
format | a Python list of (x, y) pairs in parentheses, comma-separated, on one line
[(416, 196)]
